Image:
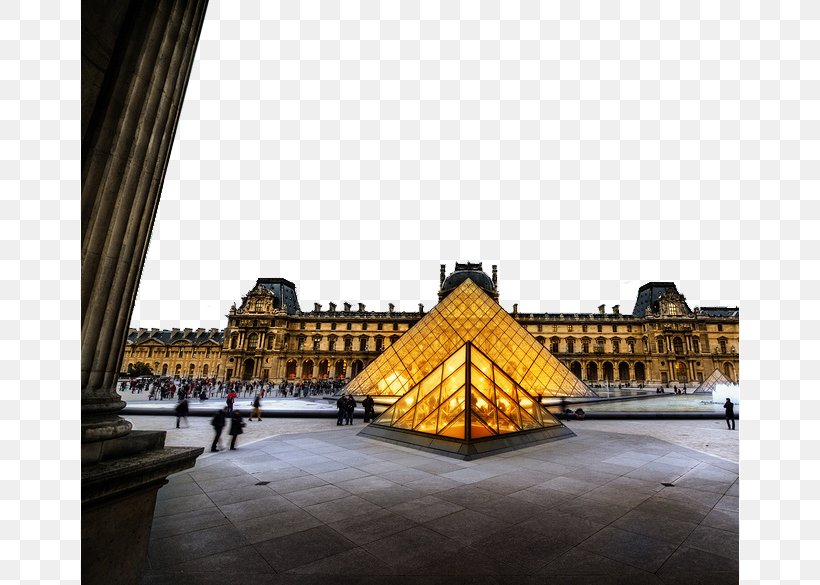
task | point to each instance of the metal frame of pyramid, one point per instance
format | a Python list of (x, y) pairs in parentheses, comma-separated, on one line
[(467, 314), (715, 378), (467, 407)]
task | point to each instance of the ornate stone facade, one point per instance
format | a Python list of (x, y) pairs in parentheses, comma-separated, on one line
[(269, 337)]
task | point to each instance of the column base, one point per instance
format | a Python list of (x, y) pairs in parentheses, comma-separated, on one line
[(118, 497)]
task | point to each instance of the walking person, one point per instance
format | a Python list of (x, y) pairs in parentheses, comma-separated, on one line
[(730, 414), (236, 428), (369, 411), (257, 408), (230, 400), (218, 423), (182, 410)]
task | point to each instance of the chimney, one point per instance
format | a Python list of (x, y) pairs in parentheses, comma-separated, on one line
[(317, 307), (332, 307), (361, 307), (441, 276), (515, 310), (421, 308), (601, 309), (616, 309), (390, 307), (347, 306), (495, 275)]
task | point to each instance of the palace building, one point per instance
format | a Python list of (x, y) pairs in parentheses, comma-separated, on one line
[(270, 337)]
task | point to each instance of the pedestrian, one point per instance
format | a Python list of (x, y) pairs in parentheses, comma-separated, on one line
[(580, 414), (236, 428), (182, 410), (341, 404), (257, 408), (349, 407), (218, 423), (369, 411), (730, 414), (230, 400)]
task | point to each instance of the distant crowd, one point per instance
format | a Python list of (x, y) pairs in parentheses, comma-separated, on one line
[(204, 388)]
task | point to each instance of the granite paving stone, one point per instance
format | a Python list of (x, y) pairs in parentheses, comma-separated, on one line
[(339, 508)]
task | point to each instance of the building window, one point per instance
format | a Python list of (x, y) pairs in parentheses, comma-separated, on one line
[(349, 326), (540, 328), (300, 343), (584, 328), (393, 339), (695, 345), (554, 328), (722, 345), (379, 343), (660, 345), (363, 343), (318, 325), (554, 345), (379, 326), (167, 353), (302, 325), (629, 328), (317, 340), (585, 346), (570, 345), (600, 328), (333, 326), (569, 328), (364, 326), (614, 329), (720, 326), (677, 344), (348, 343), (270, 341), (234, 340), (331, 343), (616, 346), (395, 326), (540, 339), (252, 340)]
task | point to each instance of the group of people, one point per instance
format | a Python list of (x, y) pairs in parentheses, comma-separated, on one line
[(347, 404), (218, 422)]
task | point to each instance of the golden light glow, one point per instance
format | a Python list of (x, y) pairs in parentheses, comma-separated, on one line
[(467, 315), (440, 402)]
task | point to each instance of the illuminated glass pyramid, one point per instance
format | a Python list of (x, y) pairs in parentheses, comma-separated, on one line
[(467, 407), (467, 314), (713, 380)]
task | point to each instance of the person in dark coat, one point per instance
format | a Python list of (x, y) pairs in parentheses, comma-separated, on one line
[(350, 405), (369, 411), (341, 403), (730, 414), (218, 423), (257, 408), (236, 428), (182, 410)]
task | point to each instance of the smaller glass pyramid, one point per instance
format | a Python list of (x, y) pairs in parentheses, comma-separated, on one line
[(713, 380), (469, 400)]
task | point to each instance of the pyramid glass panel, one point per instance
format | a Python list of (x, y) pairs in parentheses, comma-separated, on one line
[(467, 314), (713, 380)]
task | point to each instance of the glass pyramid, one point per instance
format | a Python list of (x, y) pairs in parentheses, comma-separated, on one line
[(467, 314), (467, 397), (713, 380)]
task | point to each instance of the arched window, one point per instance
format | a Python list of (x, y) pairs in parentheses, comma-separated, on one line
[(393, 339), (357, 367), (659, 341), (575, 368), (190, 369), (253, 339), (340, 369), (677, 345), (541, 339), (307, 369), (324, 367), (608, 371), (205, 371), (290, 371), (623, 372), (640, 372), (592, 372)]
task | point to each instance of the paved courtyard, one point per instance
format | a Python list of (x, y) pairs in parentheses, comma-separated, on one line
[(326, 506)]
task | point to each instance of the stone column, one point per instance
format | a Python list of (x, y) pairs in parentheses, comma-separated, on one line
[(136, 61)]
